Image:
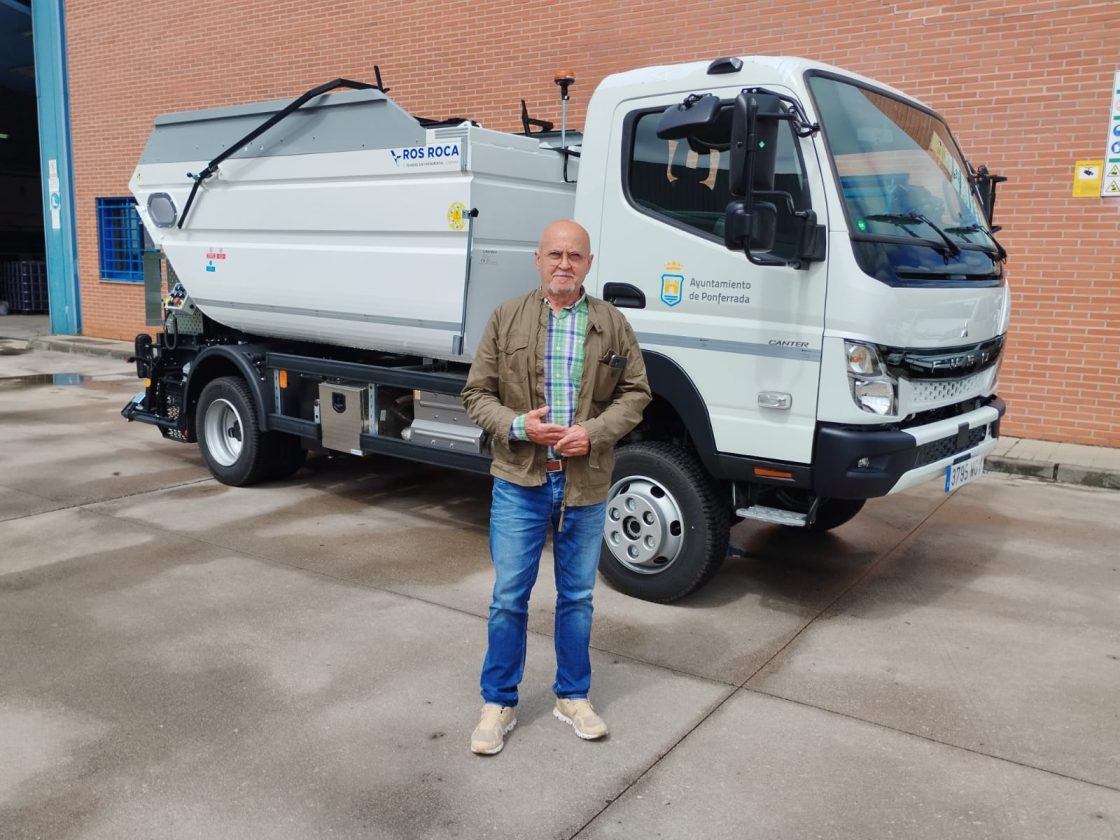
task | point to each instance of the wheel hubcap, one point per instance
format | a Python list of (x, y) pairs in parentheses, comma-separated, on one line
[(223, 432), (644, 527)]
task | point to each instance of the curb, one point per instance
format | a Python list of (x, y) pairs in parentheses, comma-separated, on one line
[(89, 346), (1053, 472)]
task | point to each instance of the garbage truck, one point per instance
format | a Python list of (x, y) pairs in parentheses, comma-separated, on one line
[(806, 256)]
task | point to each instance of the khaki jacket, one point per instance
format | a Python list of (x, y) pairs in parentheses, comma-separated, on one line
[(507, 379)]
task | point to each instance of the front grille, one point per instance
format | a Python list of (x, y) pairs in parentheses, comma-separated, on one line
[(948, 363), (946, 447), (936, 391)]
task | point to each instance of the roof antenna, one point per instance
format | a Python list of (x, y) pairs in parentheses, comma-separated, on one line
[(565, 79), (377, 73)]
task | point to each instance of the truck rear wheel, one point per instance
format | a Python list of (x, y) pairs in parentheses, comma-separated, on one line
[(666, 529), (231, 443)]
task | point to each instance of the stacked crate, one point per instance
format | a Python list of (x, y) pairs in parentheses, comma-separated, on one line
[(25, 285)]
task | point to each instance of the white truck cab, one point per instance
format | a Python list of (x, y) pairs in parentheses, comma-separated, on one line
[(855, 352), (805, 255)]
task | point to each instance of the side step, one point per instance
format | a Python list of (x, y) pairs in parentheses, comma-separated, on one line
[(777, 516)]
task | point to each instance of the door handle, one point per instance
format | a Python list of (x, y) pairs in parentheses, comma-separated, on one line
[(624, 296)]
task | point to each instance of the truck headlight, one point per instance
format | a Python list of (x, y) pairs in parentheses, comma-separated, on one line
[(873, 389), (877, 396), (863, 359)]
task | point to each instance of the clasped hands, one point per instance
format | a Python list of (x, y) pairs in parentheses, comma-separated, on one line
[(568, 441)]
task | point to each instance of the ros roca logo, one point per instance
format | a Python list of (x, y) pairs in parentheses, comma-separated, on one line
[(424, 154)]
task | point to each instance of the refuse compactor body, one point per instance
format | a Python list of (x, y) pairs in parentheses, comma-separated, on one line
[(350, 222)]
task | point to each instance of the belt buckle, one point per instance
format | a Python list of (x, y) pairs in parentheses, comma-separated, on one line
[(554, 465)]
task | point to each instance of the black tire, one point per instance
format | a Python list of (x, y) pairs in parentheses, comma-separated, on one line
[(831, 513), (666, 529), (229, 438), (283, 454)]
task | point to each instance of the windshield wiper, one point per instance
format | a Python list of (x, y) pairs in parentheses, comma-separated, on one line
[(903, 219), (974, 228)]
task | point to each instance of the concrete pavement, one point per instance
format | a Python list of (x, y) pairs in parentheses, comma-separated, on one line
[(183, 659)]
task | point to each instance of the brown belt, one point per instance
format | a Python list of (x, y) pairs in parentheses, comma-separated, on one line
[(554, 466)]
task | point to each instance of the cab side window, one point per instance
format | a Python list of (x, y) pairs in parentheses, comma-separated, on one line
[(687, 182)]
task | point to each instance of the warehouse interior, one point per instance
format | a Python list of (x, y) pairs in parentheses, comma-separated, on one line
[(22, 248)]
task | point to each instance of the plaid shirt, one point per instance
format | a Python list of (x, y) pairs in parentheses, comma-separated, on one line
[(563, 366)]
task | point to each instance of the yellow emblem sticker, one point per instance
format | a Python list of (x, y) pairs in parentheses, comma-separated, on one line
[(671, 282), (455, 219)]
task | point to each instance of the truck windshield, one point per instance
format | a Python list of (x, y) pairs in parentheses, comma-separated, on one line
[(901, 173)]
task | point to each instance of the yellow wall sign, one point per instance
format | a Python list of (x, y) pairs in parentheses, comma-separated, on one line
[(1087, 178)]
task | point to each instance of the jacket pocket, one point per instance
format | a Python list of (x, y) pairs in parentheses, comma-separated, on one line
[(513, 371), (513, 357), (515, 455), (606, 380)]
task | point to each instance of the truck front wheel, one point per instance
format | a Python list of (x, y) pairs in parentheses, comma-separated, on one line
[(226, 423), (666, 529)]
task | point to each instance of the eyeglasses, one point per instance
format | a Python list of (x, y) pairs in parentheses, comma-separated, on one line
[(574, 257)]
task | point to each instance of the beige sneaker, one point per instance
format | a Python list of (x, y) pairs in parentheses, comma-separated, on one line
[(582, 717), (489, 736)]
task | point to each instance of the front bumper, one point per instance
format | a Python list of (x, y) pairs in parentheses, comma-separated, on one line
[(902, 458)]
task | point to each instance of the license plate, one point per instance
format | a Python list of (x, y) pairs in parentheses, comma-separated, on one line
[(960, 474), (139, 398)]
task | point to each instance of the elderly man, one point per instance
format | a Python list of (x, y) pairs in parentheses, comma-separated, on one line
[(557, 380)]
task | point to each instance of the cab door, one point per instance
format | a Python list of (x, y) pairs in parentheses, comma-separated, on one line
[(748, 336)]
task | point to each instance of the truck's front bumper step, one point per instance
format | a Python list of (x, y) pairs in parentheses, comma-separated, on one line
[(133, 411)]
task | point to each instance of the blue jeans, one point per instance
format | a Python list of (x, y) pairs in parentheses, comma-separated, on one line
[(520, 520)]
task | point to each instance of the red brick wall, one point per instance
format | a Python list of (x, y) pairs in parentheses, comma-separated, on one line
[(1025, 86)]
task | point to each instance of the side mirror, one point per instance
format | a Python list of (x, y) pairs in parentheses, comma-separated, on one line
[(751, 224), (986, 184), (752, 229), (754, 142), (690, 117), (810, 240)]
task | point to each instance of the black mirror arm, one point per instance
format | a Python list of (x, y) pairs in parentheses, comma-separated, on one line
[(984, 185), (802, 127)]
